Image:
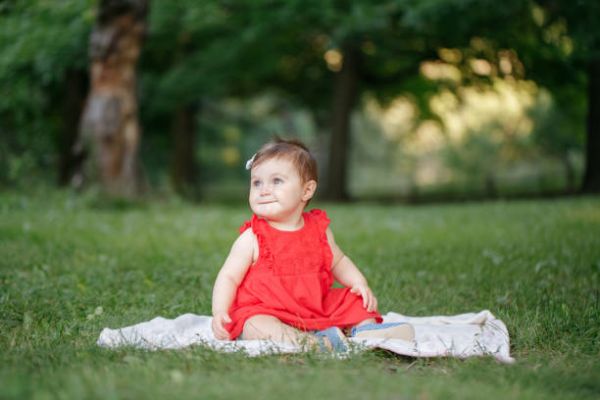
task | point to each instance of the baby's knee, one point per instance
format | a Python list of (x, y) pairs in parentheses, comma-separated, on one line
[(257, 326), (261, 319)]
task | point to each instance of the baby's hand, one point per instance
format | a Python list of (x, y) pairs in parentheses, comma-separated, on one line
[(369, 299), (219, 330)]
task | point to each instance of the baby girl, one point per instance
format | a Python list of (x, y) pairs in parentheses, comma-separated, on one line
[(277, 281)]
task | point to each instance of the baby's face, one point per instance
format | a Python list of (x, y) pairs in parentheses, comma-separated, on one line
[(277, 191)]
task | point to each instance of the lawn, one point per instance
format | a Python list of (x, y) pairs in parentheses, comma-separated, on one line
[(70, 266)]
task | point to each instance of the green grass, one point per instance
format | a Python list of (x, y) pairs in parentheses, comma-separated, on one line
[(70, 266)]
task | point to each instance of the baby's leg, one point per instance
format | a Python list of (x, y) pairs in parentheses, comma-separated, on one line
[(269, 327)]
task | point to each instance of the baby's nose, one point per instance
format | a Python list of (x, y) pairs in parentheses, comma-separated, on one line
[(265, 189)]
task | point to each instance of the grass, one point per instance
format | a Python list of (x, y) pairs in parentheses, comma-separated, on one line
[(70, 266)]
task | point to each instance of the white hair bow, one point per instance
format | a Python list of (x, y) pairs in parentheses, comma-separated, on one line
[(250, 161)]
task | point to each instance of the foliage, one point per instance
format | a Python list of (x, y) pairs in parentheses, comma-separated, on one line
[(41, 43), (209, 54)]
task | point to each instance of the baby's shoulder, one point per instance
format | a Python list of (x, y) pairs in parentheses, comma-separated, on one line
[(319, 217), (247, 236), (247, 243)]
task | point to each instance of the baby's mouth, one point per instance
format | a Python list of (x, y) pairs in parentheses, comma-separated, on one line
[(266, 202)]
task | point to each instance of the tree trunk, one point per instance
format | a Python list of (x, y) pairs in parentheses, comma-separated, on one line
[(110, 121), (489, 184), (591, 179), (69, 162), (570, 176), (344, 96), (183, 165)]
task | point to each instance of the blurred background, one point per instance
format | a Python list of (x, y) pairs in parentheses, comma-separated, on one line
[(400, 100)]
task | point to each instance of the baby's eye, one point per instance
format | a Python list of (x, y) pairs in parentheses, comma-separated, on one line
[(277, 181), (256, 183)]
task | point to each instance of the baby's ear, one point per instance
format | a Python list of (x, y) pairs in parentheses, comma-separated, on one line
[(309, 190)]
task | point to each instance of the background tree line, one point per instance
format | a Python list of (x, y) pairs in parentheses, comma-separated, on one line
[(122, 91)]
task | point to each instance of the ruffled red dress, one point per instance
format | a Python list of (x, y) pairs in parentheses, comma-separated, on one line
[(292, 279)]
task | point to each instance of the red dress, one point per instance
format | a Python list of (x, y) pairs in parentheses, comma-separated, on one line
[(292, 279)]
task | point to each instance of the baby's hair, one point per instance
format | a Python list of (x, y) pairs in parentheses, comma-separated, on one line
[(292, 150)]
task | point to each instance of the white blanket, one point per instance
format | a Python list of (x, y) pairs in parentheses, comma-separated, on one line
[(462, 336)]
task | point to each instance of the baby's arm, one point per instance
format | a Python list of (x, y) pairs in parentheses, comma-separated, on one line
[(346, 273), (229, 278)]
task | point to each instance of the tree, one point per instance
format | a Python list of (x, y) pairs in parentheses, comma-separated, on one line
[(377, 48), (576, 25), (313, 52), (191, 55), (591, 179), (42, 73), (110, 120), (382, 47), (245, 48), (583, 17), (535, 43)]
